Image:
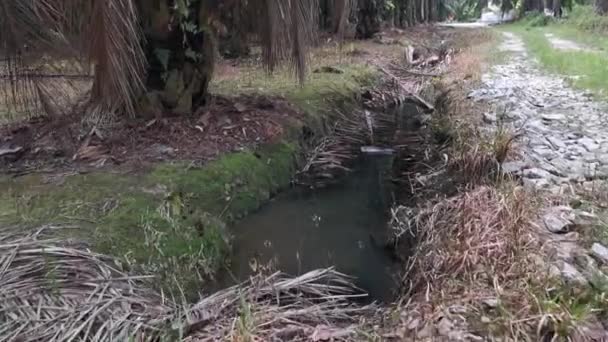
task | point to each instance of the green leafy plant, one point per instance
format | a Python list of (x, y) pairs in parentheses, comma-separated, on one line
[(463, 10)]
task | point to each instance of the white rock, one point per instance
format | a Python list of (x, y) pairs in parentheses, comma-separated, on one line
[(557, 220), (536, 173), (557, 143), (572, 275), (491, 303), (514, 167), (552, 117), (489, 118), (600, 251), (588, 143)]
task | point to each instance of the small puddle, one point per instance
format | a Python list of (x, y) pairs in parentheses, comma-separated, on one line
[(342, 226)]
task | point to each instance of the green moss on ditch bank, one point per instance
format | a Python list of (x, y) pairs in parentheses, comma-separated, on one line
[(170, 221)]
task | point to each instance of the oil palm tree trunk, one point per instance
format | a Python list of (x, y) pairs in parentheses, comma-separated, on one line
[(601, 6), (180, 62)]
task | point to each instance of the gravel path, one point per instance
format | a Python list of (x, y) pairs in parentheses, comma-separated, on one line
[(564, 131), (564, 44)]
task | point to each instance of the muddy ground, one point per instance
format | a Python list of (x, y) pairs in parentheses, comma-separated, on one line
[(225, 125)]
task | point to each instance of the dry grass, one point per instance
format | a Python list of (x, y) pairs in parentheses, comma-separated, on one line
[(477, 50), (475, 150), (51, 89), (54, 290), (469, 237), (471, 248)]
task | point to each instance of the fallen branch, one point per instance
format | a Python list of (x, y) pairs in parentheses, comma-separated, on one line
[(413, 98)]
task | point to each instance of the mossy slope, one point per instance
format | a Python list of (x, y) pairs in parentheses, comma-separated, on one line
[(170, 221)]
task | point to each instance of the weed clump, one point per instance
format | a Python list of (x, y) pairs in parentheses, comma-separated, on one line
[(537, 19), (585, 18)]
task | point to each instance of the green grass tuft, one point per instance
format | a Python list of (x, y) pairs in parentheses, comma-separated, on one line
[(313, 97), (585, 18), (586, 69)]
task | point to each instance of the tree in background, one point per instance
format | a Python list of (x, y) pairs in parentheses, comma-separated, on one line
[(158, 55), (463, 10), (532, 6), (601, 7), (147, 53)]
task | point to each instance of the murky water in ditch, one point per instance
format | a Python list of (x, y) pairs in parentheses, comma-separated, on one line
[(343, 226)]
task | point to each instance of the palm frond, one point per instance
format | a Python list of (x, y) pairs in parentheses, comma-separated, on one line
[(116, 49), (57, 290), (42, 39), (287, 28)]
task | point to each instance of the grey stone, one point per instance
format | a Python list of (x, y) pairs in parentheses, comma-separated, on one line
[(489, 118), (556, 143), (536, 184), (552, 117), (588, 143), (600, 252), (491, 303), (514, 167), (603, 159), (536, 173), (572, 275), (557, 220)]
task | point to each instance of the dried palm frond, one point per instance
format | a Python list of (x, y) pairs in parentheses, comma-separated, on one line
[(41, 39), (116, 49), (332, 154), (280, 308), (57, 290)]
